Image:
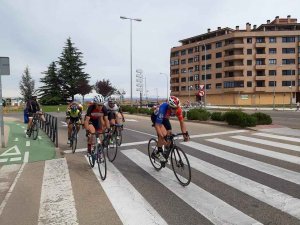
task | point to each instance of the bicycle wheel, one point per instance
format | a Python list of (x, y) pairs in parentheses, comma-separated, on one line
[(92, 158), (181, 166), (74, 139), (34, 130), (119, 136), (101, 161), (112, 148), (152, 148)]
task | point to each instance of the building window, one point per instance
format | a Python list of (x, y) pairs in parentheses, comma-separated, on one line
[(196, 58), (288, 61), (183, 61), (288, 50), (196, 68), (190, 50), (249, 51), (183, 79), (208, 56), (249, 40), (233, 84), (208, 86), (260, 40), (191, 78), (208, 77), (272, 51), (272, 83), (174, 54), (288, 83), (190, 60), (218, 65), (183, 88), (196, 86), (197, 48), (272, 61), (218, 54), (249, 73), (249, 62), (218, 85), (249, 83), (218, 44), (288, 72), (260, 61), (288, 39), (196, 77), (183, 70), (218, 75), (183, 52), (272, 72), (272, 39)]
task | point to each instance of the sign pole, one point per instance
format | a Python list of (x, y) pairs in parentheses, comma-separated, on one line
[(1, 116)]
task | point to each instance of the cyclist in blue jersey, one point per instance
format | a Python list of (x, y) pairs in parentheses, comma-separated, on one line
[(162, 125)]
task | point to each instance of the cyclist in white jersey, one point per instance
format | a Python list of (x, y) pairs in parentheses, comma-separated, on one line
[(114, 111)]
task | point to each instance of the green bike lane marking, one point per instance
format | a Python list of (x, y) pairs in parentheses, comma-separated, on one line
[(40, 149)]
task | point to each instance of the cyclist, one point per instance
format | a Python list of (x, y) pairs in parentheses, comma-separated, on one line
[(32, 106), (113, 111), (79, 106), (160, 119), (73, 115), (96, 118)]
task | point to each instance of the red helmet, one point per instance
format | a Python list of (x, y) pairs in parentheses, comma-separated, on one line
[(173, 102)]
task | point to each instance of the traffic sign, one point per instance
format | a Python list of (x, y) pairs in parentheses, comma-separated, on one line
[(201, 86)]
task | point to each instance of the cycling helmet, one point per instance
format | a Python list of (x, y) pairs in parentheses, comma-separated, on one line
[(73, 108), (111, 100), (99, 99), (173, 102)]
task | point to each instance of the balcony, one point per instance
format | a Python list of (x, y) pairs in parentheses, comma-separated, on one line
[(236, 67), (260, 67), (233, 57), (260, 89), (260, 44), (233, 46), (260, 77)]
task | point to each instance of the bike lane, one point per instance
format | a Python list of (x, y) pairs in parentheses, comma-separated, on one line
[(21, 149)]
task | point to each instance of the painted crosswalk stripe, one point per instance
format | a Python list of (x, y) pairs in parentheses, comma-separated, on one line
[(214, 209), (129, 204), (279, 200), (57, 203), (270, 143), (259, 151), (27, 143), (277, 137), (251, 163), (26, 157), (39, 137), (218, 133)]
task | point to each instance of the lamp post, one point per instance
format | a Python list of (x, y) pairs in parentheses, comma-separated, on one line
[(205, 76), (291, 95), (138, 20), (167, 84)]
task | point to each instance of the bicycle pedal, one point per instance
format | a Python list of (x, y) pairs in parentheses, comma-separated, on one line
[(163, 164)]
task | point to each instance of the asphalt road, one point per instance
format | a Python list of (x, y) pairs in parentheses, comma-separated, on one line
[(238, 177)]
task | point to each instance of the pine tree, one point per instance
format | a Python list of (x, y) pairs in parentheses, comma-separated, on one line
[(51, 92), (26, 85), (104, 87), (71, 70)]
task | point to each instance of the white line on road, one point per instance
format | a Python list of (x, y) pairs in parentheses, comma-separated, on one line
[(16, 139), (259, 151), (15, 159), (64, 124), (57, 205), (278, 137), (4, 160), (248, 162), (218, 133), (214, 209), (140, 132), (126, 200), (27, 143), (266, 142), (279, 200), (26, 157), (39, 137), (131, 120)]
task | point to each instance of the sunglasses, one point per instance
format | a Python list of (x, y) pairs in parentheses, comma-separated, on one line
[(99, 104)]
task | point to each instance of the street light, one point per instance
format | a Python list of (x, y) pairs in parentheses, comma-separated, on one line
[(138, 20), (291, 95), (167, 84), (205, 75)]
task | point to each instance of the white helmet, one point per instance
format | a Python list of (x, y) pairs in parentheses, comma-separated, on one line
[(173, 102), (99, 99)]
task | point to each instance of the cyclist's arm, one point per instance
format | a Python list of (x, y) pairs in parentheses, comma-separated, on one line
[(105, 117)]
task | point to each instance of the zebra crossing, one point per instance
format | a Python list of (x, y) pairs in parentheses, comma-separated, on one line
[(244, 178)]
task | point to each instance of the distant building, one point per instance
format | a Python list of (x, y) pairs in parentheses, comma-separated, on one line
[(251, 66)]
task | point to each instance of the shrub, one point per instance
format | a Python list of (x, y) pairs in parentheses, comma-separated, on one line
[(198, 114), (239, 118), (262, 118), (217, 116)]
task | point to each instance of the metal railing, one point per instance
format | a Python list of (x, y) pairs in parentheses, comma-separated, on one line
[(50, 128)]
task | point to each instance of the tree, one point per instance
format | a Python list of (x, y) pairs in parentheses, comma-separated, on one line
[(104, 87), (27, 85), (71, 70), (84, 88), (51, 92)]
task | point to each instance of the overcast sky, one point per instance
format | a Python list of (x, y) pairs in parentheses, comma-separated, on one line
[(34, 32)]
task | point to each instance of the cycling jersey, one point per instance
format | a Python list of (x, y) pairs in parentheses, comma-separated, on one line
[(76, 114), (95, 113), (165, 112), (113, 109)]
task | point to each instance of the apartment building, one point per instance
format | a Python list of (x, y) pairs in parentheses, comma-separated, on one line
[(258, 65)]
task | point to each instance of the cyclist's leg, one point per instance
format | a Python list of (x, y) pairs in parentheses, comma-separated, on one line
[(30, 117), (168, 126), (78, 123), (91, 130), (71, 121)]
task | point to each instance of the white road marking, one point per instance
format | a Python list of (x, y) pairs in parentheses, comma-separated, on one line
[(218, 133), (10, 152), (57, 205), (77, 150), (131, 120), (27, 143), (278, 137), (5, 174), (4, 202), (16, 139), (279, 200), (152, 135), (15, 159), (259, 151), (26, 157), (214, 209), (23, 127), (129, 204), (18, 124), (251, 163), (270, 143), (39, 137), (64, 124), (4, 160)]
